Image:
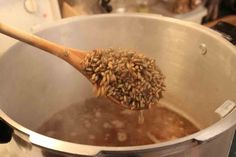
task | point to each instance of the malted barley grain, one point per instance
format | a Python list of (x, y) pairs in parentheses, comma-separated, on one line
[(131, 78)]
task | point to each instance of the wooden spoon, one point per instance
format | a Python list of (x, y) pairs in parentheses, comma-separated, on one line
[(77, 59), (70, 55)]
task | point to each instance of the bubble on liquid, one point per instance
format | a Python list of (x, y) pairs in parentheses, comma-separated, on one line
[(121, 136), (97, 114), (106, 125)]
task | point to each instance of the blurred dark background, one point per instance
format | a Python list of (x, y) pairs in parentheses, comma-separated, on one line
[(227, 7)]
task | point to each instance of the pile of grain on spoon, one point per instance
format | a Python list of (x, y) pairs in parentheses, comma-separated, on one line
[(125, 75)]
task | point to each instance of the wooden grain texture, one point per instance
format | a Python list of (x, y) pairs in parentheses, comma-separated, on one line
[(72, 56)]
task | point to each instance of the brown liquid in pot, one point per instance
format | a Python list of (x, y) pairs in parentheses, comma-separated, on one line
[(97, 122)]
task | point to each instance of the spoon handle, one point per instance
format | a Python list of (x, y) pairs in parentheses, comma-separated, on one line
[(53, 48)]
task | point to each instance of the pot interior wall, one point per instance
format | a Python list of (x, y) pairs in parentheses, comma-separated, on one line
[(34, 85)]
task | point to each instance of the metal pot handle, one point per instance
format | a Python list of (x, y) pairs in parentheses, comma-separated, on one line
[(227, 30), (5, 132), (213, 131)]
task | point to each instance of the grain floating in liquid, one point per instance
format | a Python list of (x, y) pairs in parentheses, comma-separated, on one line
[(131, 78), (115, 126)]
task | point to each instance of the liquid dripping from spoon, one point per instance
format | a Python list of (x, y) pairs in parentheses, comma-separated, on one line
[(141, 117)]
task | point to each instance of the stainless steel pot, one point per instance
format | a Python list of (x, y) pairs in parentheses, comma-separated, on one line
[(198, 63)]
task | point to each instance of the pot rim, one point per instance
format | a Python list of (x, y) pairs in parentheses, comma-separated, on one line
[(180, 144), (89, 150)]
